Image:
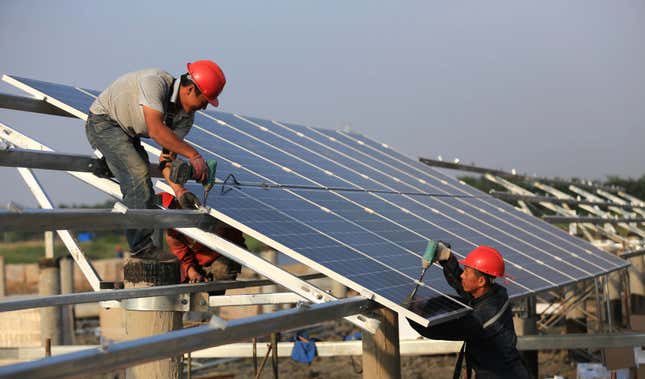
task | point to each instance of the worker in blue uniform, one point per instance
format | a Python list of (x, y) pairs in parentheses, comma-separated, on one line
[(488, 333)]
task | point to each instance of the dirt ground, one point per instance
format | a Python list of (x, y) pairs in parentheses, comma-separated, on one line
[(412, 367), (417, 367)]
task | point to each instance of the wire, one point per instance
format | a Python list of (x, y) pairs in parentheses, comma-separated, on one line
[(231, 181)]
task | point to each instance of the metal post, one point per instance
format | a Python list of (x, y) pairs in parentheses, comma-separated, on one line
[(255, 356), (48, 347), (66, 265), (525, 325), (50, 317), (264, 361), (381, 354), (274, 354), (190, 366), (3, 277), (141, 323)]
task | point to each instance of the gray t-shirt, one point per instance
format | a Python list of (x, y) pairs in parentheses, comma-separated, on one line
[(124, 99)]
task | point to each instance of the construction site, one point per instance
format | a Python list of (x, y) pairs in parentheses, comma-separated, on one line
[(275, 201), (596, 314)]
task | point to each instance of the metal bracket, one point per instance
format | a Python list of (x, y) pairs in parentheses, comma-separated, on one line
[(179, 303), (185, 302)]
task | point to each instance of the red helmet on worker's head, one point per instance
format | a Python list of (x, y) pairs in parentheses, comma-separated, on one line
[(208, 77), (485, 259)]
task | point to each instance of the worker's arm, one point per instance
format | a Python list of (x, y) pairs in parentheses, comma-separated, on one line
[(453, 330), (166, 138)]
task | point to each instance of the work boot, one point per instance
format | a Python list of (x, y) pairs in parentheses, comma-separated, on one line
[(223, 269), (153, 253)]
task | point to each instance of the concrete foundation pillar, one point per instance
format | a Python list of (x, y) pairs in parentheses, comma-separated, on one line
[(271, 256), (66, 265), (141, 323), (381, 352), (50, 317)]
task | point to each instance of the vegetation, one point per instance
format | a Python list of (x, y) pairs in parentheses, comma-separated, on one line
[(634, 187), (31, 250)]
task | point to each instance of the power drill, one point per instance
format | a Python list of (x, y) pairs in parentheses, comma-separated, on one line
[(182, 171)]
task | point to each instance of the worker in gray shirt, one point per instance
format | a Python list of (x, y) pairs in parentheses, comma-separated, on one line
[(151, 104)]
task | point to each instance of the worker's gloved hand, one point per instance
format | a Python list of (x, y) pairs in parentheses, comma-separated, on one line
[(223, 269), (200, 168), (187, 199), (443, 251)]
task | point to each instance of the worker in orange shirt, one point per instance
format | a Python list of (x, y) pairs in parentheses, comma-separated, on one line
[(200, 263)]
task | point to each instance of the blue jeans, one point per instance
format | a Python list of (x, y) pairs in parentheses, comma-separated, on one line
[(129, 163)]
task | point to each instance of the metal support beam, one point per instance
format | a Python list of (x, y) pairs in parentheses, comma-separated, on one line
[(134, 293), (632, 254), (48, 160), (102, 219), (126, 354), (86, 267), (555, 200), (28, 104), (592, 220)]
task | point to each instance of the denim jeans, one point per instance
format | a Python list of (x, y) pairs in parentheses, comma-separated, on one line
[(129, 163)]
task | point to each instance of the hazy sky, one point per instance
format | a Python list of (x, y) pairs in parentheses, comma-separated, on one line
[(546, 87)]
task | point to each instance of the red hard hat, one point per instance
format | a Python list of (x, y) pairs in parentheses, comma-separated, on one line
[(208, 77), (485, 259)]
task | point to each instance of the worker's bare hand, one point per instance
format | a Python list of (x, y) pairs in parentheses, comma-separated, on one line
[(194, 276), (200, 169)]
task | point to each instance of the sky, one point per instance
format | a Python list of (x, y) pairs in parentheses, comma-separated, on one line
[(553, 88)]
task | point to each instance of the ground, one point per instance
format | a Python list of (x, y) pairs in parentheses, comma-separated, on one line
[(421, 367), (345, 367)]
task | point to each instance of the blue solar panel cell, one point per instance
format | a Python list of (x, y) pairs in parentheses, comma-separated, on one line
[(416, 170), (63, 93)]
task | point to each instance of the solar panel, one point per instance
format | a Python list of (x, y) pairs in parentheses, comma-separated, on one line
[(361, 213)]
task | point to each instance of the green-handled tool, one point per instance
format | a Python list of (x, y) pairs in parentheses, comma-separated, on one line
[(426, 261), (181, 171)]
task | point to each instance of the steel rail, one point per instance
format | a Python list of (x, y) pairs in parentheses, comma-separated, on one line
[(592, 220), (102, 219), (552, 199), (510, 175), (133, 293)]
